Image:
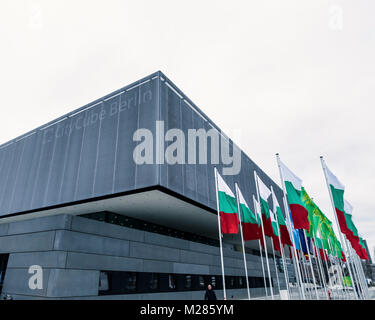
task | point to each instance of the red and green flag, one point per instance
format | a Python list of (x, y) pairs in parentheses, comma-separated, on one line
[(275, 236), (227, 207), (364, 251), (284, 233), (322, 253), (293, 186), (337, 191), (264, 194), (352, 234), (258, 215), (250, 227)]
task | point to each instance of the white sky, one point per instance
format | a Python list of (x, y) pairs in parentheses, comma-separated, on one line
[(296, 77)]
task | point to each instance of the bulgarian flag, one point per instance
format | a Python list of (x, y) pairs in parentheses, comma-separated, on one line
[(293, 186), (364, 251), (250, 227), (275, 235), (264, 194), (227, 207), (258, 211), (337, 191), (352, 230), (284, 233)]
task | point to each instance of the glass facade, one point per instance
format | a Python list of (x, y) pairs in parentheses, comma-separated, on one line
[(121, 282), (125, 221)]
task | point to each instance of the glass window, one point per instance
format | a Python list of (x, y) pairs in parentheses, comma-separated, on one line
[(213, 281), (240, 282), (103, 281), (131, 281), (231, 282), (201, 282), (171, 281), (188, 281), (153, 282)]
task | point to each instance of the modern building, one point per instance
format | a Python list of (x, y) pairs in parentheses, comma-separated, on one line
[(76, 200)]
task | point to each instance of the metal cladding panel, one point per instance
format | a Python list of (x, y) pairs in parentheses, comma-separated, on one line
[(196, 181), (89, 152), (85, 154)]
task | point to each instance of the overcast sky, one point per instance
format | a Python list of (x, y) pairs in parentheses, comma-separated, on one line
[(296, 77)]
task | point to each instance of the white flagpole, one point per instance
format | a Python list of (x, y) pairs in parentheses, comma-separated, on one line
[(294, 251), (274, 260), (304, 270), (282, 251), (264, 238), (318, 258), (219, 227), (358, 285), (336, 262), (329, 279), (359, 276), (243, 246), (311, 266), (334, 213), (261, 254), (362, 273), (356, 275), (319, 279), (264, 274)]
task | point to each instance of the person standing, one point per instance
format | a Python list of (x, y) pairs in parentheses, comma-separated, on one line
[(210, 293)]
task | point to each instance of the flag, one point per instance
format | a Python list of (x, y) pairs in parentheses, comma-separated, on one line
[(352, 234), (227, 207), (275, 236), (293, 186), (364, 251), (250, 227), (322, 253), (258, 211), (264, 194), (337, 191), (314, 213), (284, 233)]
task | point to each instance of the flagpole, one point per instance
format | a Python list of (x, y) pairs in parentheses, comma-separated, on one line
[(334, 294), (329, 278), (334, 211), (282, 252), (311, 266), (286, 273), (319, 281), (319, 260), (356, 280), (219, 227), (355, 268), (339, 264), (261, 254), (362, 274), (294, 251), (264, 274), (264, 238), (243, 246), (274, 260), (333, 248), (304, 269)]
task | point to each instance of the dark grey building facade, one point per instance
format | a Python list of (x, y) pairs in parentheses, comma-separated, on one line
[(74, 201)]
